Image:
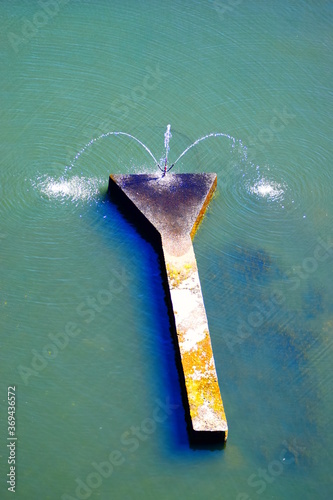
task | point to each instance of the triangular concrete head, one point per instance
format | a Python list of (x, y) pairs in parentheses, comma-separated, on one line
[(173, 204)]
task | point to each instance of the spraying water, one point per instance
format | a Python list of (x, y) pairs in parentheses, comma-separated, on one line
[(102, 136), (78, 188), (167, 137), (217, 134)]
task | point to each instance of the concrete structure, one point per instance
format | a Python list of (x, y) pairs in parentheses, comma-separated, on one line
[(174, 206)]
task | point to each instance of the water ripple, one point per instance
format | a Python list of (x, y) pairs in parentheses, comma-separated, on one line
[(74, 189)]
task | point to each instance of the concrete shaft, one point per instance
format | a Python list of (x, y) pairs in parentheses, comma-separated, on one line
[(203, 393), (174, 205)]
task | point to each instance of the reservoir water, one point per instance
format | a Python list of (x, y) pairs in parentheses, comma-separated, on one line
[(85, 335)]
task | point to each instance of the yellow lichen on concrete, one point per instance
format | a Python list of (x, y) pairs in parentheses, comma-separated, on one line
[(201, 383), (178, 274), (203, 208), (203, 392)]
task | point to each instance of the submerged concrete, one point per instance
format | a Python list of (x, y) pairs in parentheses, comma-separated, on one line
[(174, 205)]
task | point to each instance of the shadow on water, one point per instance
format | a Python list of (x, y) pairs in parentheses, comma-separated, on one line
[(146, 241), (266, 366), (313, 301), (165, 349)]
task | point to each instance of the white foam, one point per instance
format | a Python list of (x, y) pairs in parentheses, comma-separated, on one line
[(267, 189), (75, 189)]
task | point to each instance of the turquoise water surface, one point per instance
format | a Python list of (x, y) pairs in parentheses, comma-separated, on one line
[(85, 334)]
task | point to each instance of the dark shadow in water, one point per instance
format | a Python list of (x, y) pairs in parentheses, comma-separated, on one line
[(273, 356), (132, 215), (313, 301), (147, 240)]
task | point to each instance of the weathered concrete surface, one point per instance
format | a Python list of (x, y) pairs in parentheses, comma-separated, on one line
[(174, 205)]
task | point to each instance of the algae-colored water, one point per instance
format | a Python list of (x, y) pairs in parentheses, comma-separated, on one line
[(84, 327)]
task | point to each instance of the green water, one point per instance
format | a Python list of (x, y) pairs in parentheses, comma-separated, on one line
[(72, 269)]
